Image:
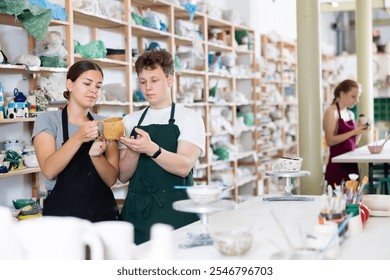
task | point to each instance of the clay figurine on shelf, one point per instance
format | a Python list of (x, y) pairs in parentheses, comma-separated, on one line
[(18, 108)]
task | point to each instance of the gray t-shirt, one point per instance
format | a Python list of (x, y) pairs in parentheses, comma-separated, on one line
[(51, 122)]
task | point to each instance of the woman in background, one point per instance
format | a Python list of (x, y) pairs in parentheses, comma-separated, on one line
[(341, 134), (80, 168)]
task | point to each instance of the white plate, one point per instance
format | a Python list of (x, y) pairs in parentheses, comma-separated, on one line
[(380, 213), (286, 171)]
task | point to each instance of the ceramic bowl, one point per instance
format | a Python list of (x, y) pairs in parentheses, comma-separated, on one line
[(20, 203), (31, 161), (17, 147), (375, 149), (204, 194), (377, 202), (232, 242)]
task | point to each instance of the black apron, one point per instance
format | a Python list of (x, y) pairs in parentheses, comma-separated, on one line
[(79, 191), (151, 193)]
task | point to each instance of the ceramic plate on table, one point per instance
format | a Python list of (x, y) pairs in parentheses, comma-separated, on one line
[(287, 171), (380, 213)]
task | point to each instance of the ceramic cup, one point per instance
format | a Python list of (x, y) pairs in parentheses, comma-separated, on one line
[(113, 128), (118, 238), (288, 164), (58, 238), (355, 225)]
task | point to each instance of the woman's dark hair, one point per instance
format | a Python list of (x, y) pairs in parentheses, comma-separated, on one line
[(150, 60), (344, 86), (79, 68)]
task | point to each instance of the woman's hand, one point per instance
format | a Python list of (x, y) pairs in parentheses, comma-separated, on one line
[(362, 129), (88, 131), (98, 147)]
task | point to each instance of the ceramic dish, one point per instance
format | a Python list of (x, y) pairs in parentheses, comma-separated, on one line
[(380, 213), (377, 202), (204, 194)]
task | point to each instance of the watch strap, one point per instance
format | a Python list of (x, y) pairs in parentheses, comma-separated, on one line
[(156, 154)]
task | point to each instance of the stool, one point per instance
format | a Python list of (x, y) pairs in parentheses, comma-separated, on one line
[(385, 185)]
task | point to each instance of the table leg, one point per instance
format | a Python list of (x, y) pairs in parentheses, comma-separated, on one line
[(370, 178)]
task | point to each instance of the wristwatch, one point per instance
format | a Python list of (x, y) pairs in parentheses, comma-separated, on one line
[(156, 154)]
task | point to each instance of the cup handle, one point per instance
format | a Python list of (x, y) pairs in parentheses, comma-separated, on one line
[(101, 135), (95, 244)]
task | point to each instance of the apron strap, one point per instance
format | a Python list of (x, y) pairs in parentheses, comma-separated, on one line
[(338, 110), (143, 116), (172, 118), (65, 129)]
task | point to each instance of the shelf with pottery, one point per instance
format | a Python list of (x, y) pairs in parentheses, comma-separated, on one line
[(99, 27), (10, 20), (329, 75), (103, 62), (22, 69), (269, 115), (18, 172), (17, 120), (140, 33), (31, 74), (284, 54)]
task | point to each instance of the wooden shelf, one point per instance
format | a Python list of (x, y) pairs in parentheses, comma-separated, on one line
[(20, 172), (10, 20), (142, 31), (22, 69), (86, 19)]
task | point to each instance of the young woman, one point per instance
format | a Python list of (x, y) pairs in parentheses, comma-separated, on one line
[(164, 141), (80, 167), (341, 134)]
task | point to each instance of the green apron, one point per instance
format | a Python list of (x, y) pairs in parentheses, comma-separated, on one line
[(151, 189)]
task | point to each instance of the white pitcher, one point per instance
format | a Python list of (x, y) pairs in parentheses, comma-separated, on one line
[(118, 239), (56, 238)]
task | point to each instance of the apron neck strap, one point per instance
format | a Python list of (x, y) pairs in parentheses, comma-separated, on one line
[(65, 129), (171, 118), (338, 109)]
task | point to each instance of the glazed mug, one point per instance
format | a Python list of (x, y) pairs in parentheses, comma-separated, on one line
[(113, 128), (58, 238)]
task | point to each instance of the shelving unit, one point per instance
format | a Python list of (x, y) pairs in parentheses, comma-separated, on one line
[(328, 85), (277, 111), (238, 97), (6, 69)]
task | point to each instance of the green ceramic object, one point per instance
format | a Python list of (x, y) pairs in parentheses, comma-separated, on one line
[(20, 203), (353, 208), (14, 158), (222, 153)]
